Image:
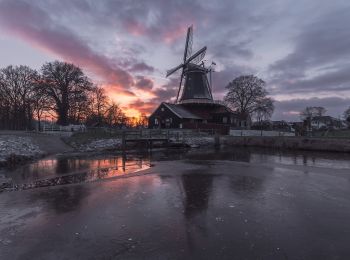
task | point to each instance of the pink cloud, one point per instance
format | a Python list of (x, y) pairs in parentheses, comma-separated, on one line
[(135, 28), (32, 24), (36, 27)]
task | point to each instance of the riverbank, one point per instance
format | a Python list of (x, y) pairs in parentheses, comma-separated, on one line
[(17, 147), (293, 143)]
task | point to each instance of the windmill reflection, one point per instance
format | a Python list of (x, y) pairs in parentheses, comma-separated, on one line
[(245, 184), (197, 188), (62, 200)]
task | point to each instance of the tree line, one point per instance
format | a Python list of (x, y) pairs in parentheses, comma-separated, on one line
[(311, 112), (58, 90)]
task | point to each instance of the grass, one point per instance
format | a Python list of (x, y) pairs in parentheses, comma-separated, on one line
[(341, 134)]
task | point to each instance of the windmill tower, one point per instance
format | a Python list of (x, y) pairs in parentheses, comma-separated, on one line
[(196, 87)]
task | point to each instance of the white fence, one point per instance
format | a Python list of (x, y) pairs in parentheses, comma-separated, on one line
[(68, 128), (259, 133)]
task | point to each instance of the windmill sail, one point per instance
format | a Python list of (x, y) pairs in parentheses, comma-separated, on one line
[(189, 43), (198, 56), (178, 92), (171, 71), (196, 86)]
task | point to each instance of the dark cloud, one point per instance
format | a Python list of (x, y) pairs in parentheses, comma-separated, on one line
[(289, 109), (220, 79), (319, 61), (143, 83), (330, 81), (122, 41), (141, 67), (224, 49), (34, 25), (167, 92)]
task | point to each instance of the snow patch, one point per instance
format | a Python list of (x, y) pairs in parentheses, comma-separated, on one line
[(199, 141), (12, 147), (101, 144)]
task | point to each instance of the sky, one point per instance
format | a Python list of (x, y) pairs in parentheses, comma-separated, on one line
[(300, 48)]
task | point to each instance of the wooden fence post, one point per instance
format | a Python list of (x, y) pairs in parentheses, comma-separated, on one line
[(217, 140), (123, 141)]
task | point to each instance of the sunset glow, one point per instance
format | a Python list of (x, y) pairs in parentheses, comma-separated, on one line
[(126, 47)]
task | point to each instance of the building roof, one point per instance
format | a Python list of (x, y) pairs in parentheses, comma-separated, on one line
[(325, 119), (201, 110), (196, 101), (180, 111), (221, 108)]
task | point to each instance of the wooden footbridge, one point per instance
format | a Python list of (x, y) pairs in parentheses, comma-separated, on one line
[(149, 136)]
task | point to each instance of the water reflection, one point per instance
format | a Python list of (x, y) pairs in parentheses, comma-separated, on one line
[(63, 170), (245, 185), (267, 156), (197, 187), (64, 199)]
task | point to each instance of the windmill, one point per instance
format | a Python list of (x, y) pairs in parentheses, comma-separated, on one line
[(196, 85)]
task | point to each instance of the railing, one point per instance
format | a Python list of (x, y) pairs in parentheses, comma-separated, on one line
[(51, 128), (259, 133), (175, 136), (59, 128), (163, 133)]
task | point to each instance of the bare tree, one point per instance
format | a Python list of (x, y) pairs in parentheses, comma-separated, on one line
[(17, 87), (247, 94), (41, 104), (100, 103), (115, 116), (347, 115), (100, 100), (264, 109), (67, 87), (310, 112), (142, 121)]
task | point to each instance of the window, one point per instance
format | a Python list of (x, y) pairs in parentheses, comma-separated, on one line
[(156, 121), (162, 109), (224, 120), (167, 122)]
